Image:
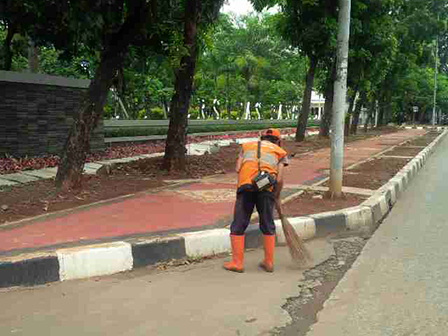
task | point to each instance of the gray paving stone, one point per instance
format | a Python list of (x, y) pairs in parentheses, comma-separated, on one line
[(7, 183), (117, 160), (19, 177), (90, 170), (152, 155), (130, 159), (41, 173), (93, 165), (244, 140)]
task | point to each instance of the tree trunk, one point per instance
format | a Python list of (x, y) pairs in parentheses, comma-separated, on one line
[(70, 169), (7, 47), (303, 117), (114, 48), (359, 104), (325, 122), (347, 124), (165, 108), (382, 106), (227, 96), (350, 112), (176, 138), (383, 117), (33, 57), (421, 117), (370, 114)]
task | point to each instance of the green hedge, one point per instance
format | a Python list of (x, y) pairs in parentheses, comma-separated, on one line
[(130, 132)]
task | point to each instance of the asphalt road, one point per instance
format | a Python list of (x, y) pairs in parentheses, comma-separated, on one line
[(199, 299), (399, 284)]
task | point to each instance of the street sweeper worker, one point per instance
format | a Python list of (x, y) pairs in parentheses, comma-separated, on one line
[(260, 166)]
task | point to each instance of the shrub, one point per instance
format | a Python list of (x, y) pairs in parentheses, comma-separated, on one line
[(141, 114), (156, 113), (129, 132), (194, 113), (108, 111), (253, 115), (234, 115)]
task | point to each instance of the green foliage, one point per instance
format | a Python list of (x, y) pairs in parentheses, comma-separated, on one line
[(194, 113), (108, 112), (268, 114), (253, 115), (156, 113), (248, 61), (242, 59), (309, 26), (234, 115)]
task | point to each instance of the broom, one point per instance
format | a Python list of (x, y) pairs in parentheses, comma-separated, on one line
[(297, 249)]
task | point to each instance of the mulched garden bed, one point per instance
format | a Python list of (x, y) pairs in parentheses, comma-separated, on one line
[(373, 174), (315, 142), (314, 202), (369, 175), (424, 140), (37, 198), (403, 151), (10, 164), (144, 175)]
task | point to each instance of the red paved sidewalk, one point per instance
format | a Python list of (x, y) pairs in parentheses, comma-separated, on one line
[(185, 207)]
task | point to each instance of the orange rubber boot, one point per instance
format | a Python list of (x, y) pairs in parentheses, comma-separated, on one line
[(237, 263), (269, 246)]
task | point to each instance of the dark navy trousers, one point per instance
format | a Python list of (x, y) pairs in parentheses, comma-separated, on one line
[(244, 207)]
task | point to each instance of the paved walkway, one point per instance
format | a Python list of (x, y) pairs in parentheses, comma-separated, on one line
[(398, 285), (193, 206)]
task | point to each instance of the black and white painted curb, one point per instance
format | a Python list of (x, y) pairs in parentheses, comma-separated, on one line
[(110, 258)]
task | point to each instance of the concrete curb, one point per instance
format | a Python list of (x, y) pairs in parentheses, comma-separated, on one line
[(110, 258), (426, 127)]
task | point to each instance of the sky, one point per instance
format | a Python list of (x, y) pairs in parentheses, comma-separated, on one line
[(242, 7), (239, 7)]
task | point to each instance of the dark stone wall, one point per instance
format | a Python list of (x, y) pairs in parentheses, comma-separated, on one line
[(35, 118)]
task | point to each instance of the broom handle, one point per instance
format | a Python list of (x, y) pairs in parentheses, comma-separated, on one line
[(278, 207)]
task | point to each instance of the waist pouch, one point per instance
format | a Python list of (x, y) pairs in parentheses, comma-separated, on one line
[(263, 180)]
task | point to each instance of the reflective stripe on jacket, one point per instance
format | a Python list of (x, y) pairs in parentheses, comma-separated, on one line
[(270, 157)]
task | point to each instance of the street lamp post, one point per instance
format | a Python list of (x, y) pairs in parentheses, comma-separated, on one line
[(339, 100), (435, 81)]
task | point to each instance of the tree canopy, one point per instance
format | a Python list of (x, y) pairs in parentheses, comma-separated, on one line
[(137, 54)]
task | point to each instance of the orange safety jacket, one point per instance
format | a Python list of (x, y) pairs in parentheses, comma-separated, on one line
[(271, 156)]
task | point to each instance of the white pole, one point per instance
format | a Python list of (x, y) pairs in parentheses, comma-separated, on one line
[(279, 114), (339, 100), (435, 83), (376, 114), (248, 111), (257, 108)]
